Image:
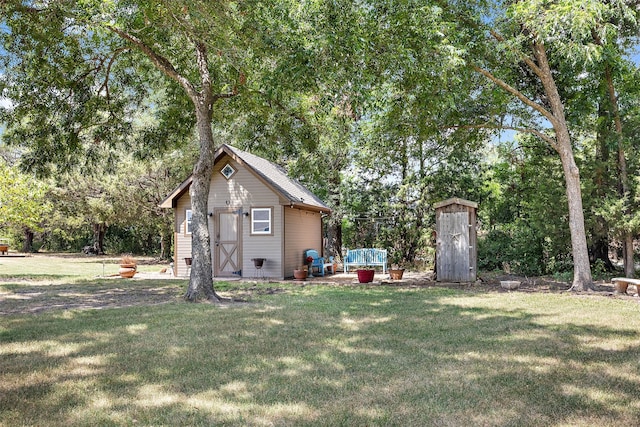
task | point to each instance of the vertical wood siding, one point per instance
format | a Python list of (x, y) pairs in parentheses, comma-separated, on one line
[(456, 250), (473, 245)]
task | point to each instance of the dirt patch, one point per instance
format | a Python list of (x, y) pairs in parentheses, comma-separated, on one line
[(20, 298), (487, 282), (43, 298)]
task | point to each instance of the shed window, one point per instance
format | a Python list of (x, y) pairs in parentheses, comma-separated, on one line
[(228, 171), (261, 220), (188, 217)]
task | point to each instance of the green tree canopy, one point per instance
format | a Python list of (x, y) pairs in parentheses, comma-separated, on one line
[(24, 208)]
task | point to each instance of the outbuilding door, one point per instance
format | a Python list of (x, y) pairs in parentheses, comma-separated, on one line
[(453, 241), (228, 260)]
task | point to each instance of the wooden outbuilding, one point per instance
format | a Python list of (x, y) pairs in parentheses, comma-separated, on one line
[(260, 220), (456, 240)]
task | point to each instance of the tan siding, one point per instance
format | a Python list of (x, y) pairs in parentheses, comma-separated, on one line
[(304, 231), (244, 190), (183, 241)]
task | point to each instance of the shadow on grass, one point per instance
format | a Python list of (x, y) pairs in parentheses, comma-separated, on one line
[(326, 356), (28, 277), (42, 295)]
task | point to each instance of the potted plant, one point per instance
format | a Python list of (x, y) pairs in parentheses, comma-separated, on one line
[(396, 271), (128, 267), (365, 274), (300, 273)]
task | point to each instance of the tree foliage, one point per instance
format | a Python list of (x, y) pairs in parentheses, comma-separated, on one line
[(382, 108), (24, 208)]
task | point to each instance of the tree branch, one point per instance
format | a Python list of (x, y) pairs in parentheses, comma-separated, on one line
[(538, 70), (546, 138), (162, 63), (515, 92), (203, 68), (498, 37), (105, 84), (283, 108), (24, 8), (225, 95), (530, 63), (90, 70)]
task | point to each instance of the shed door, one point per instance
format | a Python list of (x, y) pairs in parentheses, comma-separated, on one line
[(453, 258), (227, 244)]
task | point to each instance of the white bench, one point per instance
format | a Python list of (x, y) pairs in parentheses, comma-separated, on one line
[(623, 282)]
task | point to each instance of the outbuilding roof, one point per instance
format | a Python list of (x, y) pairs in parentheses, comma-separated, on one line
[(455, 201), (271, 174)]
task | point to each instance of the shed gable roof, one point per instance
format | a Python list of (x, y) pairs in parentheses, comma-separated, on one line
[(271, 174), (455, 201)]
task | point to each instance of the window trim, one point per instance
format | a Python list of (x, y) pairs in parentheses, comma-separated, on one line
[(188, 222), (253, 221)]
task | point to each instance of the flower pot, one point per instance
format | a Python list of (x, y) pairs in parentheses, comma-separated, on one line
[(300, 274), (396, 273), (127, 271), (258, 262), (365, 276)]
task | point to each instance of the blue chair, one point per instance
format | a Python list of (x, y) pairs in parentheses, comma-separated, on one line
[(318, 262)]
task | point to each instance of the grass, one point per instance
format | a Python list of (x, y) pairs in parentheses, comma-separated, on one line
[(321, 356), (43, 266)]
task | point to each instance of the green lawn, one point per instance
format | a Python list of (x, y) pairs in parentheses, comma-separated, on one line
[(64, 266), (319, 355)]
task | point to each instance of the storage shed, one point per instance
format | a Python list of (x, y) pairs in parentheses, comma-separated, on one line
[(260, 220), (456, 240)]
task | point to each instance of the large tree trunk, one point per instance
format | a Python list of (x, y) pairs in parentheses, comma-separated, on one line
[(334, 221), (599, 247), (582, 279), (27, 246), (334, 236), (201, 279), (627, 237), (99, 231)]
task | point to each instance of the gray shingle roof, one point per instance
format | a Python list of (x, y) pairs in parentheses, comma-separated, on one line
[(276, 176), (272, 174)]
